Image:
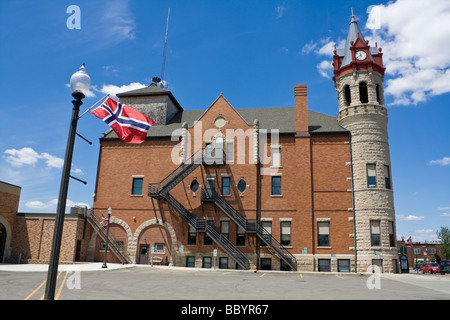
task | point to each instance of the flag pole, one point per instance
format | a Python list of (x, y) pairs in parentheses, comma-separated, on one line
[(94, 105)]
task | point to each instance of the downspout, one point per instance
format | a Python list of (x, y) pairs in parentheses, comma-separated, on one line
[(258, 188), (353, 205)]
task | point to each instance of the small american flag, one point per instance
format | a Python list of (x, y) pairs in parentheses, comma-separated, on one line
[(104, 220)]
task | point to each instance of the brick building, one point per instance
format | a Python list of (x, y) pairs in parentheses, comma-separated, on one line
[(27, 237), (267, 188), (270, 188)]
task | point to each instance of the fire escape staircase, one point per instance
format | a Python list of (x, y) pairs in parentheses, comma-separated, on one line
[(251, 226), (100, 228), (161, 191)]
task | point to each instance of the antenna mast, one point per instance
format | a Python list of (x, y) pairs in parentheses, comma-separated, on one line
[(164, 83)]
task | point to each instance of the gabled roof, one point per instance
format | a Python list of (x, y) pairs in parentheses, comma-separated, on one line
[(282, 119)]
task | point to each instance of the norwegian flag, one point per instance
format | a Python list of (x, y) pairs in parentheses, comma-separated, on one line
[(130, 125)]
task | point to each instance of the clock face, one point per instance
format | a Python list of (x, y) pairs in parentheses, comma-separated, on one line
[(360, 55)]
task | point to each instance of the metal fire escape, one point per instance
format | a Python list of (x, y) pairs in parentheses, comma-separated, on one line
[(161, 191)]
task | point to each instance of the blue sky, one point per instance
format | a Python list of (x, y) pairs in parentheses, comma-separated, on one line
[(254, 51)]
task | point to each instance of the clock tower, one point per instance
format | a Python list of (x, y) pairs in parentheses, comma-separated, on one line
[(358, 78)]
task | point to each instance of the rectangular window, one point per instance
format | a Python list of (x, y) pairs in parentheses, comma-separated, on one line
[(387, 177), (190, 261), (267, 232), (160, 248), (208, 151), (225, 186), (432, 250), (323, 234), (375, 234), (225, 228), (391, 234), (343, 265), (240, 237), (416, 250), (371, 176), (223, 263), (276, 186), (230, 151), (276, 157), (192, 236), (136, 188), (285, 233), (266, 264), (324, 265), (207, 262)]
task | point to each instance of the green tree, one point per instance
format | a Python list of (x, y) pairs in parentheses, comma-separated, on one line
[(444, 237)]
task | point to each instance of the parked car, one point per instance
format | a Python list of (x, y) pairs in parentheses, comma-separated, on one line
[(430, 267), (444, 267)]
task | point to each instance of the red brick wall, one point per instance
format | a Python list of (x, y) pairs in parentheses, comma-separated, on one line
[(314, 185)]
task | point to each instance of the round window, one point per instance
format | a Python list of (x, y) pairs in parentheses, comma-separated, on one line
[(194, 186), (220, 122), (242, 185)]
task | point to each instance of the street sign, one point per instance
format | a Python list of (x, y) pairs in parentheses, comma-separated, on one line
[(181, 248), (215, 252)]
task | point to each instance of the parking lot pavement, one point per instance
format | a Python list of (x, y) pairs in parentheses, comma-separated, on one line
[(139, 282)]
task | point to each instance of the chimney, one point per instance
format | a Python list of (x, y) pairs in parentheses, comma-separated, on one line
[(301, 110)]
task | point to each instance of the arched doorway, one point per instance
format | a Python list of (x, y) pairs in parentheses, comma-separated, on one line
[(155, 240), (2, 241)]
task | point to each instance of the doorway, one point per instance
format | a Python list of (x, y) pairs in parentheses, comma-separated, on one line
[(143, 253)]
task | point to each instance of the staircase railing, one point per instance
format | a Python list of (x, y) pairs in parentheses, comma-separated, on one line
[(112, 242), (176, 176), (201, 225), (252, 226)]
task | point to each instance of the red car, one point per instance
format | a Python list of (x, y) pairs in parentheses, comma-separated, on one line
[(430, 267)]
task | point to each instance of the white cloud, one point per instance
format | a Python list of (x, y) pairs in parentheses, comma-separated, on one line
[(443, 208), (28, 156), (442, 162), (24, 156), (280, 9), (118, 21), (414, 35), (113, 90), (39, 205), (410, 217), (325, 68)]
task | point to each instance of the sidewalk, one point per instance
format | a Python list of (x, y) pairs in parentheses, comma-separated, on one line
[(90, 266)]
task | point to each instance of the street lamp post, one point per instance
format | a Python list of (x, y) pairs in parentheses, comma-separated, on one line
[(79, 83), (107, 238)]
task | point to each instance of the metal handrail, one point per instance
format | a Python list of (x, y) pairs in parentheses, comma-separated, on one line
[(176, 175), (253, 225), (198, 224), (112, 242)]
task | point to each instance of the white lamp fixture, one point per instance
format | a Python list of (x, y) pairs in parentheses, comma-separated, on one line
[(80, 81)]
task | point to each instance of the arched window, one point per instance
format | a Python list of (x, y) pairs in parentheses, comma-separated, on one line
[(378, 93), (348, 96), (363, 96)]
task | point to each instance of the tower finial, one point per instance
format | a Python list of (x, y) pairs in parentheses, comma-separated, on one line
[(352, 12)]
